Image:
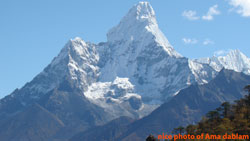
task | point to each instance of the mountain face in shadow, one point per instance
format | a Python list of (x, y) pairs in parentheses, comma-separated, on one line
[(187, 107), (57, 115), (34, 123), (107, 132), (190, 105)]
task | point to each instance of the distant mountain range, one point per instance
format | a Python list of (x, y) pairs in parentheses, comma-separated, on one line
[(234, 60), (124, 79)]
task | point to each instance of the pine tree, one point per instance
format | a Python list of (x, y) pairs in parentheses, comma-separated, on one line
[(151, 138)]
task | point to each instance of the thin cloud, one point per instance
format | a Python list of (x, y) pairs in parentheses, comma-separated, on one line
[(208, 42), (241, 6), (221, 52), (190, 15), (211, 13), (189, 41)]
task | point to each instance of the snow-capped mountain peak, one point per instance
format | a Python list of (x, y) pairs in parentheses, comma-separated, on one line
[(143, 11), (233, 60), (76, 61), (140, 25), (132, 73), (236, 54), (78, 40), (73, 46), (137, 19)]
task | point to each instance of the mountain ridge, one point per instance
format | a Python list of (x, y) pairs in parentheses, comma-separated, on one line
[(234, 60), (152, 67), (131, 74)]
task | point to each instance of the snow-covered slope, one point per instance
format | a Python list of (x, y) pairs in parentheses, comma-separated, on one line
[(138, 50), (234, 60), (77, 61), (131, 74)]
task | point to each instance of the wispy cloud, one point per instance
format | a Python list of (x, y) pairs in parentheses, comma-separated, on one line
[(211, 13), (221, 52), (241, 6), (208, 42), (190, 41), (190, 15), (205, 42)]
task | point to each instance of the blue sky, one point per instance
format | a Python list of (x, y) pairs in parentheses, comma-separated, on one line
[(33, 32)]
